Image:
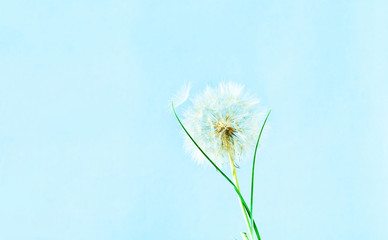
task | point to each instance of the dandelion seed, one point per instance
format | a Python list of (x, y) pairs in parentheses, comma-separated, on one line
[(182, 95), (224, 121)]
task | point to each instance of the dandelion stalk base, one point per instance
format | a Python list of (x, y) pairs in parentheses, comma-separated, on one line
[(233, 168)]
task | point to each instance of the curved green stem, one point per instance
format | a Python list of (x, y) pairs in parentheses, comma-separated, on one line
[(253, 167)]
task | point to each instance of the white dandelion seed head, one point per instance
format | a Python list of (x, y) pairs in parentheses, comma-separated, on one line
[(224, 122)]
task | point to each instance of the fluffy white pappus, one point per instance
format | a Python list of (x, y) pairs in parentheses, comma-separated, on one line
[(225, 123)]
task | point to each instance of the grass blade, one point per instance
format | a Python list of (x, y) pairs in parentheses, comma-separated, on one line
[(253, 166), (200, 149)]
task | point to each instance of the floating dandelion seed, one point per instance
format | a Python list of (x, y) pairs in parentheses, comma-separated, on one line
[(182, 94), (224, 122)]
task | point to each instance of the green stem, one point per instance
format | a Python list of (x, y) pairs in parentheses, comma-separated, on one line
[(238, 187)]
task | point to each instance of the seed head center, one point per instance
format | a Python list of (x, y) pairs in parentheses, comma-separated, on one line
[(224, 129)]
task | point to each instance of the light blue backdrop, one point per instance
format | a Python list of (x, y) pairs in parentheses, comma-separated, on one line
[(89, 148)]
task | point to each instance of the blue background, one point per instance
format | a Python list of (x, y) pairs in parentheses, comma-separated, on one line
[(89, 148)]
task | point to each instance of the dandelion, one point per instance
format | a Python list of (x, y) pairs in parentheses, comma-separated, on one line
[(221, 126), (224, 122)]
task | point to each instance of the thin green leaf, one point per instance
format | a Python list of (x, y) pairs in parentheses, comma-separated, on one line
[(253, 166), (219, 170), (200, 149)]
